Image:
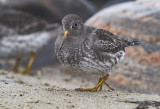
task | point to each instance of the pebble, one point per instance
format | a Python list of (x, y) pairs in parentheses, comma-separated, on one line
[(6, 80)]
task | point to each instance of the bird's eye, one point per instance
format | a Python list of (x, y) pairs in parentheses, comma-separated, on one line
[(74, 25)]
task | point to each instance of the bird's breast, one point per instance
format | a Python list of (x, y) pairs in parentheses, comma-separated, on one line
[(68, 54)]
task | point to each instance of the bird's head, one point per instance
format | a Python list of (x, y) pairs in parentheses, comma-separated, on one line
[(72, 29), (72, 25)]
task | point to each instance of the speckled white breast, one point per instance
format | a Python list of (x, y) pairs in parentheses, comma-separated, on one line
[(103, 67)]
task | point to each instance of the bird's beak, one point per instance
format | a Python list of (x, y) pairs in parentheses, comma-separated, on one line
[(66, 33)]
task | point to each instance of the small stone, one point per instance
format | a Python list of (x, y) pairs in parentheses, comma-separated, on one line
[(68, 95), (21, 94), (46, 84), (72, 106), (49, 103), (104, 96), (66, 79), (37, 101), (6, 82)]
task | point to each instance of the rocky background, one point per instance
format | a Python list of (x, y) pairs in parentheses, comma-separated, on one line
[(140, 70)]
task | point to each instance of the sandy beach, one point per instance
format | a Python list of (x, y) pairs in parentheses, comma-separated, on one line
[(52, 88)]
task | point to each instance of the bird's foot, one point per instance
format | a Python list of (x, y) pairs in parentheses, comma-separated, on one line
[(26, 71), (87, 89), (98, 87)]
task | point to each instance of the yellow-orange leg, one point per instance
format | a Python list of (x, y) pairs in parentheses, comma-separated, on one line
[(108, 85), (17, 63), (30, 63), (100, 88), (99, 85)]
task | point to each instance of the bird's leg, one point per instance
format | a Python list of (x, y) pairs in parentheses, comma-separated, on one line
[(101, 81), (108, 85), (17, 63), (100, 88), (29, 66)]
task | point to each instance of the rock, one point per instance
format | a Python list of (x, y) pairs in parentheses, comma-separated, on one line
[(99, 4), (52, 10), (6, 80), (140, 70), (8, 19)]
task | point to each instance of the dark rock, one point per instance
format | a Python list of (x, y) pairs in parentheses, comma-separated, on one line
[(144, 104), (17, 20), (52, 10), (99, 4), (138, 20)]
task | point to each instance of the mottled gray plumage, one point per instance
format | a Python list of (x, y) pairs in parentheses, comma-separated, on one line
[(89, 49)]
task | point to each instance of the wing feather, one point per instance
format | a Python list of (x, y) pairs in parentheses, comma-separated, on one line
[(105, 41)]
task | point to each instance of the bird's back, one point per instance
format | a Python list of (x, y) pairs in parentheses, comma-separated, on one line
[(101, 50)]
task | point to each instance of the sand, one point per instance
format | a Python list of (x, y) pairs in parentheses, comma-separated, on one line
[(52, 88)]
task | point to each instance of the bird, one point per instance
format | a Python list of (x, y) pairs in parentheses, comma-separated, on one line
[(23, 34), (83, 48)]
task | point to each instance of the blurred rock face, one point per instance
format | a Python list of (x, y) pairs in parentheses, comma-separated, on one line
[(19, 24), (99, 4), (52, 10), (140, 70)]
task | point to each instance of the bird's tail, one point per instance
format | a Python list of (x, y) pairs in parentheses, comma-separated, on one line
[(131, 43)]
